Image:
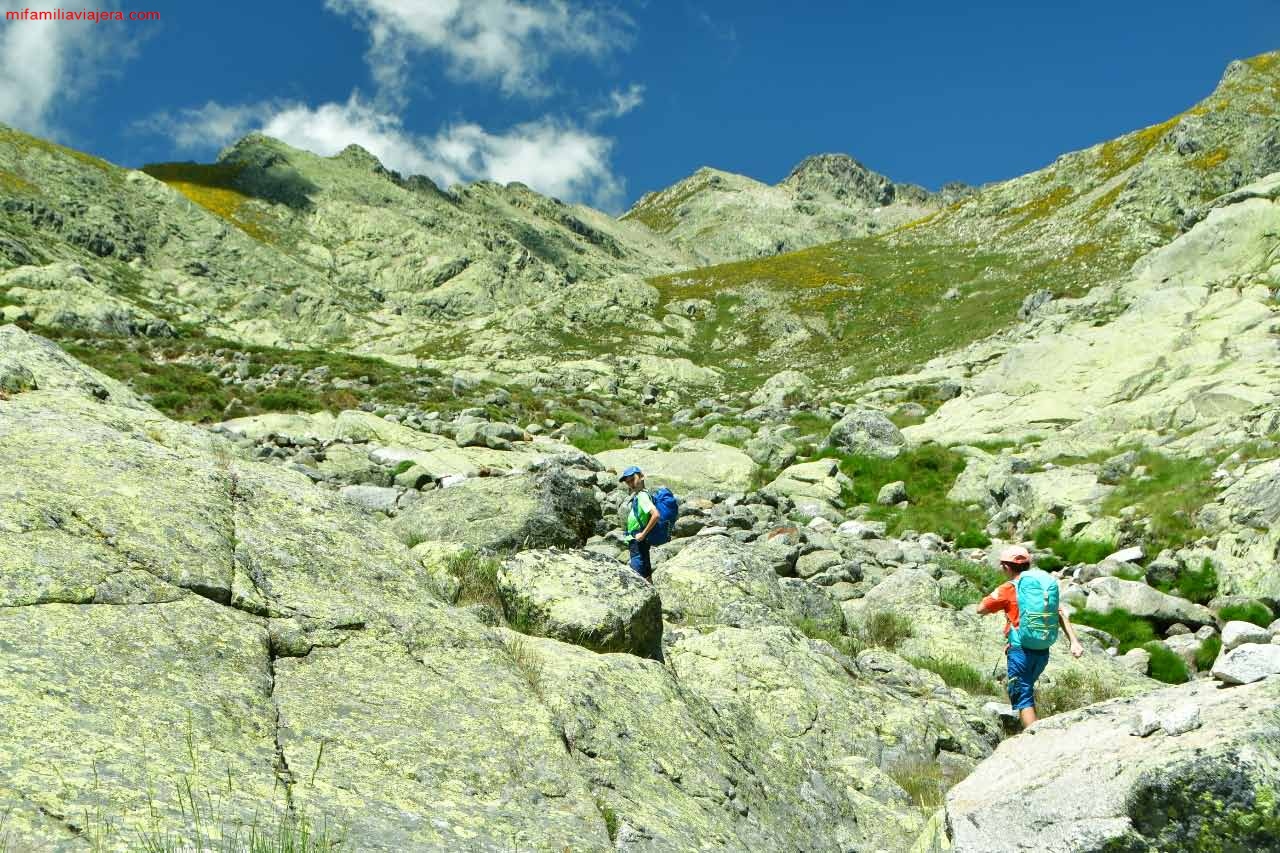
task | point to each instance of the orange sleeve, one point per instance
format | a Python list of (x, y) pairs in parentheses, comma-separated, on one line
[(1003, 598)]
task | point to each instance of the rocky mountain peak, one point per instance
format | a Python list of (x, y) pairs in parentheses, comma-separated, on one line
[(361, 158), (841, 177)]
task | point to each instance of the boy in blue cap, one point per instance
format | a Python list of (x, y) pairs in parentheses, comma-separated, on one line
[(641, 518)]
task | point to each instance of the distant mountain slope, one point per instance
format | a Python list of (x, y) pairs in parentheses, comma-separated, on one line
[(720, 216), (272, 245), (1138, 190), (276, 246), (872, 306)]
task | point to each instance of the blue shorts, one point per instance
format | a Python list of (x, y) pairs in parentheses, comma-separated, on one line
[(640, 558), (1025, 666)]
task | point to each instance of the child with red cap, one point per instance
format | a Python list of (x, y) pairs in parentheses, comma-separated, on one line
[(1029, 601)]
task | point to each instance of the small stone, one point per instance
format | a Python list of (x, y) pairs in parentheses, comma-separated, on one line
[(821, 525), (1135, 659), (1144, 724), (892, 493), (1126, 555), (1236, 633), (1180, 720), (372, 498)]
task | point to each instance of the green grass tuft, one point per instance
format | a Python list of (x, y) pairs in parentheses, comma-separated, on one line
[(923, 782), (841, 642), (1165, 665), (884, 630), (960, 596), (1129, 630), (958, 674), (1071, 550), (1170, 495), (1254, 611), (980, 575), (1200, 586), (477, 575), (1208, 653), (1073, 687), (929, 472)]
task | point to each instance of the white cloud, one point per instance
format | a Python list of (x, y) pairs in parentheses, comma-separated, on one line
[(212, 125), (553, 157), (620, 103), (507, 41), (45, 64)]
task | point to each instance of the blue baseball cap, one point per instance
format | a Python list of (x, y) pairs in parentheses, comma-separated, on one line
[(632, 471)]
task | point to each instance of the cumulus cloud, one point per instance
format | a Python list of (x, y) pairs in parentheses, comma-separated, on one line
[(208, 126), (44, 64), (553, 157), (505, 41), (620, 103)]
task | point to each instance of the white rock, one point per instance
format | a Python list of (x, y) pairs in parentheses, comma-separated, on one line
[(1145, 723), (1180, 720), (391, 456), (451, 480), (1136, 659), (862, 529), (1236, 633), (999, 710), (373, 498), (821, 525), (1248, 663), (1127, 555)]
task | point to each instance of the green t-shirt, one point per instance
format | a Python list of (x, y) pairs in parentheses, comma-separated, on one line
[(641, 508)]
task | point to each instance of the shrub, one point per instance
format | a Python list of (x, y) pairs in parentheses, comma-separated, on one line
[(1050, 563), (1165, 665), (1072, 688), (923, 782), (1129, 630), (1047, 534), (973, 539), (1208, 653), (884, 630), (958, 674), (1254, 611)]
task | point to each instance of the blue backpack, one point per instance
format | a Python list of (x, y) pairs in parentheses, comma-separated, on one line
[(668, 511), (1037, 611)]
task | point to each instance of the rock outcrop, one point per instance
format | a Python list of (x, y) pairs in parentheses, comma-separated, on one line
[(1203, 777), (582, 598)]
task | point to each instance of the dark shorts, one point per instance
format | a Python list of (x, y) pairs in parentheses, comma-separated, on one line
[(1025, 666), (640, 559)]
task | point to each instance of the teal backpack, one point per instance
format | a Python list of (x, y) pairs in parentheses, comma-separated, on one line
[(1037, 610)]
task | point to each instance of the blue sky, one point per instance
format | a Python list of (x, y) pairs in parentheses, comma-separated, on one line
[(602, 101)]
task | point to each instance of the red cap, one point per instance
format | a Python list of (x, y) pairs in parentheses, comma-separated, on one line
[(1017, 555)]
